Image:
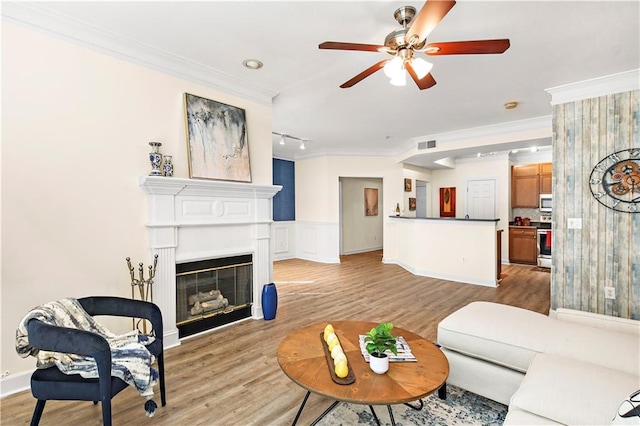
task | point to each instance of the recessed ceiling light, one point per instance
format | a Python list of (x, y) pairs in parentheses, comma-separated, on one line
[(252, 64), (510, 105)]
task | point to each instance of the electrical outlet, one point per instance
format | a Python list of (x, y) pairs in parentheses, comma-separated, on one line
[(574, 223), (609, 292)]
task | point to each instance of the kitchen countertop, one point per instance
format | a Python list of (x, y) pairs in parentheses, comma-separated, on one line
[(535, 225), (445, 218)]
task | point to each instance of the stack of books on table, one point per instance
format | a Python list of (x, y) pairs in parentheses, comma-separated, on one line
[(404, 351)]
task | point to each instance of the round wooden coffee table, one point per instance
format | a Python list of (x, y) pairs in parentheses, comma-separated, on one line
[(302, 358)]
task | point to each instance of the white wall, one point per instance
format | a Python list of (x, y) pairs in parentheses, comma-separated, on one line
[(360, 233), (455, 250), (75, 131), (414, 173), (318, 199), (484, 168)]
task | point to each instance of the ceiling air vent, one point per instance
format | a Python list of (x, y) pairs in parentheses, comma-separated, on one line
[(427, 144)]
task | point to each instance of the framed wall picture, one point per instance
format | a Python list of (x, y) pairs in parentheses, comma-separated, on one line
[(412, 204), (448, 202), (217, 140), (407, 185), (371, 202)]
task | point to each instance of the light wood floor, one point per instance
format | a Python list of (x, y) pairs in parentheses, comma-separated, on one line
[(230, 376)]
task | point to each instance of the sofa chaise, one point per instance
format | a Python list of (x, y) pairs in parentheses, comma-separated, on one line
[(574, 368)]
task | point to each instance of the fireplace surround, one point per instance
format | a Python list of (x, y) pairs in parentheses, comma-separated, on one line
[(191, 220)]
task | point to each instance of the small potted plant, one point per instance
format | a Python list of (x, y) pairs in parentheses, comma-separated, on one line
[(378, 341)]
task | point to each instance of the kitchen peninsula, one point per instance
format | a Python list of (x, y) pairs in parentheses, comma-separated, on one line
[(463, 250)]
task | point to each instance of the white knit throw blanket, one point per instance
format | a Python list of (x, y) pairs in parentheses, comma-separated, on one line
[(131, 361)]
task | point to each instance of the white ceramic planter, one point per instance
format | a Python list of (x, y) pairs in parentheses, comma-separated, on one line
[(379, 365)]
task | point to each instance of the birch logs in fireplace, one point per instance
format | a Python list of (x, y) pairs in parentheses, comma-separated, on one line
[(207, 301)]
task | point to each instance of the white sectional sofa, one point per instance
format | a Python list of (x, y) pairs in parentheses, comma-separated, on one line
[(575, 368)]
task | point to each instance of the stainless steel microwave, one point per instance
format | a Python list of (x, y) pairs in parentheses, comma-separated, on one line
[(546, 203)]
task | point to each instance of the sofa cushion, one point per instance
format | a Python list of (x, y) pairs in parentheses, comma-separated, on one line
[(511, 336), (515, 416), (501, 334), (572, 392), (622, 325)]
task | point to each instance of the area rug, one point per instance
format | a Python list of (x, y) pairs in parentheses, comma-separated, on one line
[(460, 408), (538, 269)]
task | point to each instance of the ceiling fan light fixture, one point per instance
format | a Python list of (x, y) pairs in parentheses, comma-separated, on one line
[(421, 67), (393, 68), (400, 79)]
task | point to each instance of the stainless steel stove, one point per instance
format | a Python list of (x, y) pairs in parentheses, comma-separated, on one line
[(544, 243)]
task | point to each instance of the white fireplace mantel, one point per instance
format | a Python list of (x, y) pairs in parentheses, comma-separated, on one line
[(191, 220)]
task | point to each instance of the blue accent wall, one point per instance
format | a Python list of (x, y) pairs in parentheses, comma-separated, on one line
[(284, 202)]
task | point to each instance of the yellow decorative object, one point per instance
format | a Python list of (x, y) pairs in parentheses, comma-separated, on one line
[(337, 349), (333, 343), (328, 330), (341, 369)]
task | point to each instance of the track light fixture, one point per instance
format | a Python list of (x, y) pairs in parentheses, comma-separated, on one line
[(284, 137)]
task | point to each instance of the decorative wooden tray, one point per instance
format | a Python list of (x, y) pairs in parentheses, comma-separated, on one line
[(349, 378)]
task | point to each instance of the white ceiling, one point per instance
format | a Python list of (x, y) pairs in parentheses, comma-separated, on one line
[(552, 43)]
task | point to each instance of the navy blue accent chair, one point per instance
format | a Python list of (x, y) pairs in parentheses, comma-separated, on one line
[(51, 384)]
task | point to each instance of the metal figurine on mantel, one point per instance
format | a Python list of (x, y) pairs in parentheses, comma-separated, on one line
[(155, 158), (144, 285)]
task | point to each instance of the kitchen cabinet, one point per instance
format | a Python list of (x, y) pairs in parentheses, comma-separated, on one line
[(523, 247), (528, 182), (545, 178)]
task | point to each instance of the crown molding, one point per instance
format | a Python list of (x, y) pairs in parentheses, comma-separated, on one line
[(615, 83), (492, 130), (38, 17)]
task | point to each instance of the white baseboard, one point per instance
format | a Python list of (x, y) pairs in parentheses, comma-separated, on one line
[(365, 250), (448, 277), (15, 383)]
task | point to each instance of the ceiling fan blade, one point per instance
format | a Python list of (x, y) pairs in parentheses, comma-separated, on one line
[(467, 47), (426, 20), (426, 82), (364, 74), (351, 46)]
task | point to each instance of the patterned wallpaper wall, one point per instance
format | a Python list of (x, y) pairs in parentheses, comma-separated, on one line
[(606, 251)]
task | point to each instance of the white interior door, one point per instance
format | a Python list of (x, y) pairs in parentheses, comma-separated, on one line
[(481, 199), (421, 198)]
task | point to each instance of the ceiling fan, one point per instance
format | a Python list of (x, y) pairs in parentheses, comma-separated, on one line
[(403, 44)]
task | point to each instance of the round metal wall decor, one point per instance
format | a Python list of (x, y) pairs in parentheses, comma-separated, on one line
[(615, 181)]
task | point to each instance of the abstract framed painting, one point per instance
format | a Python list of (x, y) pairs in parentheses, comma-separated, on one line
[(371, 201), (448, 202), (217, 140)]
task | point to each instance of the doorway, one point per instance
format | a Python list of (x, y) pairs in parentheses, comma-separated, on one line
[(481, 199), (361, 215), (421, 198)]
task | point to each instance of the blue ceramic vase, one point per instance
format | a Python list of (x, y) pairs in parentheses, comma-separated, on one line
[(269, 301)]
